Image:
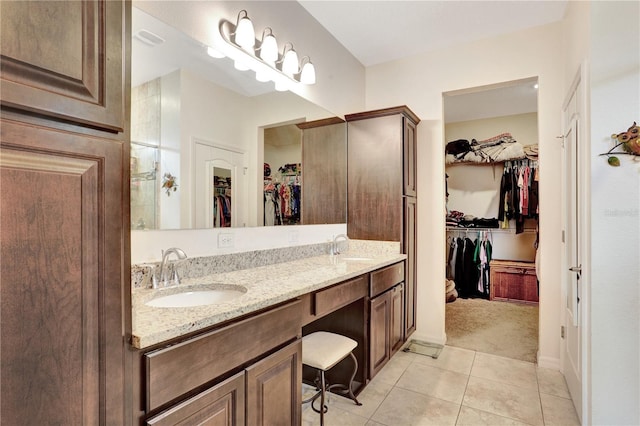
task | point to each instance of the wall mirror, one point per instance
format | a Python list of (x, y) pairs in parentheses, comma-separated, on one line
[(202, 132)]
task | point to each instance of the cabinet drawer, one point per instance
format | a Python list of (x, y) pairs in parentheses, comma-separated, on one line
[(340, 295), (386, 278), (173, 371), (222, 404)]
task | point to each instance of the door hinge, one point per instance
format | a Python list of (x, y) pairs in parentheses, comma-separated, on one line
[(563, 235), (562, 331)]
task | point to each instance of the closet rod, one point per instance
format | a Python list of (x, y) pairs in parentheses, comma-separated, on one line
[(501, 230)]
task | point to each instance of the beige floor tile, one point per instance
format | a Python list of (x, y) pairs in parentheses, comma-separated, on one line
[(391, 371), (436, 382), (372, 423), (558, 411), (505, 370), (552, 382), (504, 400), (453, 359), (370, 398), (333, 417), (471, 417), (403, 407)]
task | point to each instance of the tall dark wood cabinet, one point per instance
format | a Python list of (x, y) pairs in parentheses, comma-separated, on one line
[(324, 171), (64, 212), (381, 188)]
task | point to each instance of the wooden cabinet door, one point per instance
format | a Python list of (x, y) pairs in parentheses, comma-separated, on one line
[(62, 279), (409, 158), (274, 388), (410, 248), (65, 59), (375, 178), (530, 286), (396, 318), (379, 333), (324, 173), (222, 405)]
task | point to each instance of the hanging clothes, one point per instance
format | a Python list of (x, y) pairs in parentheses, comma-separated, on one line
[(482, 258)]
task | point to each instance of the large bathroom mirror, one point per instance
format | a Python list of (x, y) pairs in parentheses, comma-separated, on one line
[(204, 134)]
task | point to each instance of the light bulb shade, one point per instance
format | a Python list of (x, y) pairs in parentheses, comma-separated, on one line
[(269, 49), (308, 74), (245, 35), (290, 63)]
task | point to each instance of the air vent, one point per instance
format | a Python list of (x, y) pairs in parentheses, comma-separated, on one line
[(147, 37)]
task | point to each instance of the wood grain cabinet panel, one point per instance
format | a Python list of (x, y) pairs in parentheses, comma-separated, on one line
[(180, 368), (222, 405), (65, 59), (382, 187), (513, 280), (324, 171), (61, 279), (274, 388), (386, 327)]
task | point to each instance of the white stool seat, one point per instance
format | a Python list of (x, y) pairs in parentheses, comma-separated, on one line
[(323, 350)]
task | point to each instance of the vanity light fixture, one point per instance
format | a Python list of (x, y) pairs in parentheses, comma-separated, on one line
[(308, 73), (268, 47), (289, 60), (262, 57), (245, 36)]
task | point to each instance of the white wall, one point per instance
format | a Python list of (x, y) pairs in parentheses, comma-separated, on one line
[(419, 83), (615, 216)]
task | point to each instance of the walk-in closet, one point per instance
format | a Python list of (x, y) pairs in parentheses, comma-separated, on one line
[(282, 175), (492, 174)]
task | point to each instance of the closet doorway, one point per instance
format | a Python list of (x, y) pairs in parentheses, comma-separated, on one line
[(491, 166)]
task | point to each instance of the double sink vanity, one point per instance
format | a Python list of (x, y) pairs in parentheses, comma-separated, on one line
[(226, 342)]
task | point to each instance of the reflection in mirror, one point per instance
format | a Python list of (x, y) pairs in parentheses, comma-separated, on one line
[(282, 175), (199, 115)]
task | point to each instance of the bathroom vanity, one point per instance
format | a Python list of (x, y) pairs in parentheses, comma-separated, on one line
[(240, 359)]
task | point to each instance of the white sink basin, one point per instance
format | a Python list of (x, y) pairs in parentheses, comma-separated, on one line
[(197, 297)]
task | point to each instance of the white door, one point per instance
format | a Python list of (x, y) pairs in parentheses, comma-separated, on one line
[(572, 357), (210, 161)]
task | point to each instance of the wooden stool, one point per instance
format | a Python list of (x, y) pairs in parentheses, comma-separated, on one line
[(322, 350)]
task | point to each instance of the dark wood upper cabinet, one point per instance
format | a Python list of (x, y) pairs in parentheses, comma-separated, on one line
[(382, 187), (65, 309), (64, 59), (324, 171)]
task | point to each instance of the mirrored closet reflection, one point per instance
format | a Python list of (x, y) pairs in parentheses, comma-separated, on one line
[(492, 173)]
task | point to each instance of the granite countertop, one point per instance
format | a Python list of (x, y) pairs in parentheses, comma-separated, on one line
[(265, 286)]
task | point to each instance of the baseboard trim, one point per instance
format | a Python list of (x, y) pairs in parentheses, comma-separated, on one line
[(548, 362)]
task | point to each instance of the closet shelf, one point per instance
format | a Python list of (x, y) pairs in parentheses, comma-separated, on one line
[(497, 230)]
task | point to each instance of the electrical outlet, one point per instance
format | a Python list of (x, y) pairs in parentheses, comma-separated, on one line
[(225, 240), (293, 236)]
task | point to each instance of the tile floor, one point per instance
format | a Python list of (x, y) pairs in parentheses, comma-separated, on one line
[(461, 387)]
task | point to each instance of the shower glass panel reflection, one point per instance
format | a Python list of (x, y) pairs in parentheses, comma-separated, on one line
[(144, 186)]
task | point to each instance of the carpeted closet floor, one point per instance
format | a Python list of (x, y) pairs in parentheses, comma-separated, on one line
[(500, 328)]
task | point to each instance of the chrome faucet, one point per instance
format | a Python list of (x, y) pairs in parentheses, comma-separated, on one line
[(334, 245), (162, 279)]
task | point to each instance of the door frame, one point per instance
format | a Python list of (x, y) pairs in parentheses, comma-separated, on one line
[(579, 87)]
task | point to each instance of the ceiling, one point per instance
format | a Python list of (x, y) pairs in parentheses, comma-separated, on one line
[(376, 32), (380, 31)]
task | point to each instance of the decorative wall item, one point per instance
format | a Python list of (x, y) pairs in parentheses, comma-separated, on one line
[(169, 183), (629, 141)]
